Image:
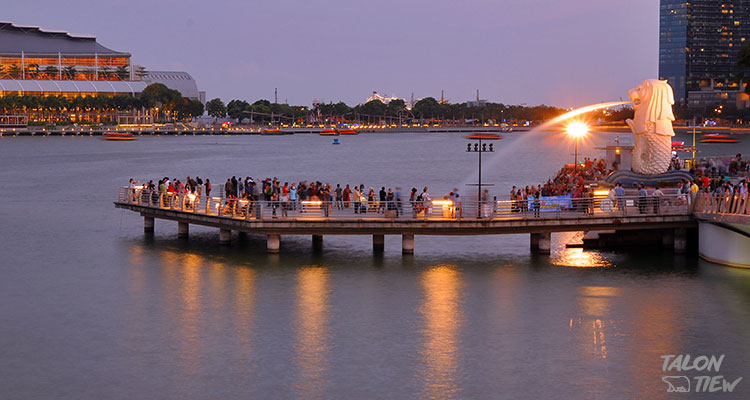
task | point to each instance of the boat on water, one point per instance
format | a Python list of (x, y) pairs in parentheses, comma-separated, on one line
[(717, 138), (484, 136), (118, 136), (329, 132), (272, 132), (336, 141), (347, 132)]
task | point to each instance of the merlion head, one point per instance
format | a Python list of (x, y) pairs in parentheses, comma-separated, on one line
[(653, 103)]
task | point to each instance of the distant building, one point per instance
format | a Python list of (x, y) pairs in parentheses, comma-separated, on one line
[(42, 62), (177, 80), (698, 45), (378, 96)]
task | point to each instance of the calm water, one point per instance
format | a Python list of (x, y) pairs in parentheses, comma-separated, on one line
[(92, 309)]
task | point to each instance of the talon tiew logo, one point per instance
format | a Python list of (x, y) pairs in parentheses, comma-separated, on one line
[(700, 383)]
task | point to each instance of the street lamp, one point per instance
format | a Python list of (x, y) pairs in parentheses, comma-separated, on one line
[(576, 130), (480, 148)]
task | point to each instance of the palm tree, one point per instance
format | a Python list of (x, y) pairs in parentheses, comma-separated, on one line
[(14, 71), (105, 72), (32, 71), (51, 71), (140, 72), (122, 73), (70, 72)]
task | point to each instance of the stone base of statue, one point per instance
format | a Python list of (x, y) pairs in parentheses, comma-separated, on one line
[(628, 178)]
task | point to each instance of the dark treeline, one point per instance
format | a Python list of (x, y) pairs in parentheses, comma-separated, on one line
[(164, 103), (375, 111)]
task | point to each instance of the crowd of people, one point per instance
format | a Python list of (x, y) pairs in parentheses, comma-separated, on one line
[(722, 166), (570, 181), (720, 176), (303, 195), (712, 175)]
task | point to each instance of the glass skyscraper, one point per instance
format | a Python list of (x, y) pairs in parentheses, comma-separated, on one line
[(698, 44)]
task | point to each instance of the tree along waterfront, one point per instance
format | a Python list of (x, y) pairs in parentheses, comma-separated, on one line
[(156, 99)]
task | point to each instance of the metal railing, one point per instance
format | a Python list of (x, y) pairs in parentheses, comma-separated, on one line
[(553, 208), (725, 203)]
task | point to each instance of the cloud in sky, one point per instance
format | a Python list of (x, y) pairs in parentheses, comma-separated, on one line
[(515, 51)]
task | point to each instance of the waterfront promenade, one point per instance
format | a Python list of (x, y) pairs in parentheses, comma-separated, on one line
[(671, 214)]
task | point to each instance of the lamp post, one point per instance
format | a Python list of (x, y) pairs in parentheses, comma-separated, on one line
[(480, 148), (576, 130)]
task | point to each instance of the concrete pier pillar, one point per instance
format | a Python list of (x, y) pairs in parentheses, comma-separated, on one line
[(225, 236), (378, 243), (273, 243), (668, 238), (183, 229), (407, 243), (148, 224), (317, 241), (541, 242), (680, 240)]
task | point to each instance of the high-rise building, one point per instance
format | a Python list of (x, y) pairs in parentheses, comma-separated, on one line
[(698, 45)]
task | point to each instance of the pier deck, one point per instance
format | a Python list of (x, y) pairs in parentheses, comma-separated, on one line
[(440, 218)]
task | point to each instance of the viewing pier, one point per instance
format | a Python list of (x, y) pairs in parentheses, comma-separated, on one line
[(670, 215), (724, 228)]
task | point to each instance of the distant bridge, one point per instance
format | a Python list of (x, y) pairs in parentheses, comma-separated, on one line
[(671, 214)]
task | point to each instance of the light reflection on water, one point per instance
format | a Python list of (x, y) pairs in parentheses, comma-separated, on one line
[(595, 303), (312, 329), (187, 268), (576, 257), (441, 311)]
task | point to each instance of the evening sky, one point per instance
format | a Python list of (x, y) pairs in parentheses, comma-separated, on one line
[(562, 53)]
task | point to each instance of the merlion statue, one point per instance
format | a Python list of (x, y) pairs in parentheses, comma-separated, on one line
[(652, 126)]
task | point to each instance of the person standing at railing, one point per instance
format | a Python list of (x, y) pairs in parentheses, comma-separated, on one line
[(293, 197), (589, 198), (347, 196), (339, 197), (274, 205), (413, 200), (208, 187), (399, 205), (382, 196), (642, 199), (537, 203), (391, 201), (356, 199), (485, 203), (656, 197), (131, 188), (371, 204), (426, 201), (235, 186), (620, 194), (284, 199), (326, 195)]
